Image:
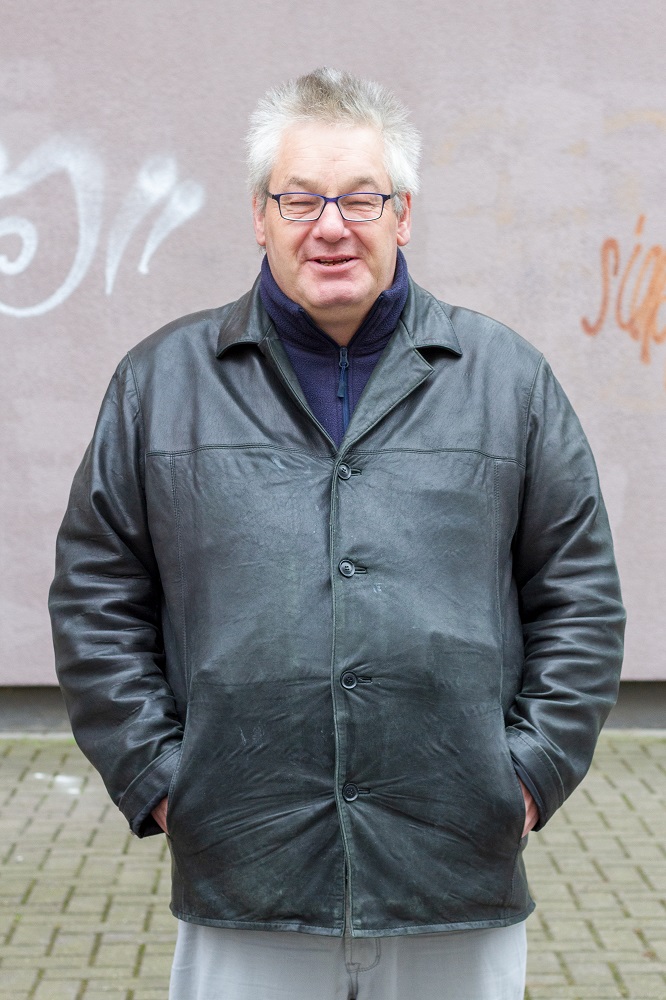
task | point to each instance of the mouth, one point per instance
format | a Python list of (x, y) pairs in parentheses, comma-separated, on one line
[(332, 261)]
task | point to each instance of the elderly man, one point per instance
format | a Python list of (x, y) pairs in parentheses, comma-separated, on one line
[(335, 604)]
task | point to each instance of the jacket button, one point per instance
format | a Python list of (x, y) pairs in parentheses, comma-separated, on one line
[(348, 680), (349, 792), (344, 471), (346, 567)]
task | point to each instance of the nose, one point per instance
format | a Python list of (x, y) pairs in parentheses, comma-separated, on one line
[(330, 225)]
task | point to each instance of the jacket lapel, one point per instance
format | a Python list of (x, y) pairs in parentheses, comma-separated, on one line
[(272, 347), (401, 368)]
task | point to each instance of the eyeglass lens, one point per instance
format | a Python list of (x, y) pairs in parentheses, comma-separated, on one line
[(355, 207)]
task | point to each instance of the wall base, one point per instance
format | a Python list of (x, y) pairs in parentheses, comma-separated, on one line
[(33, 710)]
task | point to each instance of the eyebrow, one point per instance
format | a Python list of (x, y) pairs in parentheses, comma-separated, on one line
[(357, 184)]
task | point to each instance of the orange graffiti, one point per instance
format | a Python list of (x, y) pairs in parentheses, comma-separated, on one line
[(644, 286)]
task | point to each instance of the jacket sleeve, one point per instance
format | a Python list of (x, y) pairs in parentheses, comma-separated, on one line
[(105, 611), (570, 603)]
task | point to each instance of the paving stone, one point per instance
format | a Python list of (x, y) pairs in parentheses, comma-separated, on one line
[(16, 980), (116, 954), (66, 989), (644, 986), (101, 992)]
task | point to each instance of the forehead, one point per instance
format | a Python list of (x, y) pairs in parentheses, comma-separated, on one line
[(330, 156)]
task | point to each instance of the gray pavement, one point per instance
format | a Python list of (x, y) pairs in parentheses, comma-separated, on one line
[(84, 905)]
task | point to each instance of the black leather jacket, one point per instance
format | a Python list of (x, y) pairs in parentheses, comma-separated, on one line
[(334, 660)]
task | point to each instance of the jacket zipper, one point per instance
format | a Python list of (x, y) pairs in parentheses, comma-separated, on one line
[(343, 388)]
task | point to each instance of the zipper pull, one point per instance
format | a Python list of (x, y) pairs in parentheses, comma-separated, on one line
[(343, 388), (344, 365)]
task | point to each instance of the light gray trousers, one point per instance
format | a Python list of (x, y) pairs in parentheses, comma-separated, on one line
[(213, 963)]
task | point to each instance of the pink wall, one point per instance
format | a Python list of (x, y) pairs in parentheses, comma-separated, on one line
[(122, 205)]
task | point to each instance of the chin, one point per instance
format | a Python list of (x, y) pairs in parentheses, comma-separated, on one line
[(353, 298)]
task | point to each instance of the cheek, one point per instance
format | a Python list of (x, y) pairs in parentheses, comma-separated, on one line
[(286, 245), (382, 255)]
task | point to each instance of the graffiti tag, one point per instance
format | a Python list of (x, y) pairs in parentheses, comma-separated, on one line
[(157, 183), (634, 298)]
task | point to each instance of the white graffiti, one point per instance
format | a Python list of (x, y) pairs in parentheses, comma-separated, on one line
[(156, 182), (87, 177)]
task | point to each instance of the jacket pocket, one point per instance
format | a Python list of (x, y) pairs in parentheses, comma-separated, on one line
[(172, 794)]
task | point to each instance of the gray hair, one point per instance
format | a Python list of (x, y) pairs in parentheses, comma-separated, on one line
[(332, 97)]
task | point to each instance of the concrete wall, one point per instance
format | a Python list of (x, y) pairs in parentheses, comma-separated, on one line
[(122, 205)]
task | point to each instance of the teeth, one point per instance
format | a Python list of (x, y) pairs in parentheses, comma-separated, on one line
[(323, 260)]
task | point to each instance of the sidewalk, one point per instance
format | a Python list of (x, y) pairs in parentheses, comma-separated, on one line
[(84, 905)]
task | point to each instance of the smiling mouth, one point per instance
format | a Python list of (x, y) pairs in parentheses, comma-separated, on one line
[(332, 261)]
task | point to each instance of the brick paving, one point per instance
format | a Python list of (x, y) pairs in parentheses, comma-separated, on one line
[(84, 905)]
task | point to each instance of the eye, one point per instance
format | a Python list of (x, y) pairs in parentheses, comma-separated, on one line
[(293, 201), (362, 205)]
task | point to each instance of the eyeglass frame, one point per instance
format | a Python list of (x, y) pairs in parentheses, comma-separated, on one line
[(313, 194)]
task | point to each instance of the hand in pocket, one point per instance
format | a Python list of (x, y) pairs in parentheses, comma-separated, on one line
[(159, 813), (531, 811)]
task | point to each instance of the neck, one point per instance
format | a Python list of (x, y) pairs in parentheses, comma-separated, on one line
[(340, 329)]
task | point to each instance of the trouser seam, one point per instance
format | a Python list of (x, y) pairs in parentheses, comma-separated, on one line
[(378, 955)]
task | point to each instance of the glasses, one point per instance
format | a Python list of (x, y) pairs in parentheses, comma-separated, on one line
[(358, 206)]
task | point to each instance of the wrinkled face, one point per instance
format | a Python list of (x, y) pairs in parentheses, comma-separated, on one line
[(334, 269)]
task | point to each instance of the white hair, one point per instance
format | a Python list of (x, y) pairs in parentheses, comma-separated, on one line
[(332, 97)]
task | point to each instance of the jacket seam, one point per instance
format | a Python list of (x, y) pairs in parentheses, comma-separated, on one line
[(136, 389), (439, 451), (236, 447), (179, 548), (528, 408), (330, 457), (255, 924), (500, 620), (141, 417), (515, 881)]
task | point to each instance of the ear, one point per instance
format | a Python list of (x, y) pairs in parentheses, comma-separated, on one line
[(258, 218), (405, 221)]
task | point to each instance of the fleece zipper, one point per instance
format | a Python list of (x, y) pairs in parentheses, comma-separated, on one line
[(343, 388)]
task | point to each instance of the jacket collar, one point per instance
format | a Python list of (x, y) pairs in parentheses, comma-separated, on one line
[(243, 322), (427, 322), (428, 325)]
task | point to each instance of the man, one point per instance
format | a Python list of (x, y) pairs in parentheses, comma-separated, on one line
[(336, 604)]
